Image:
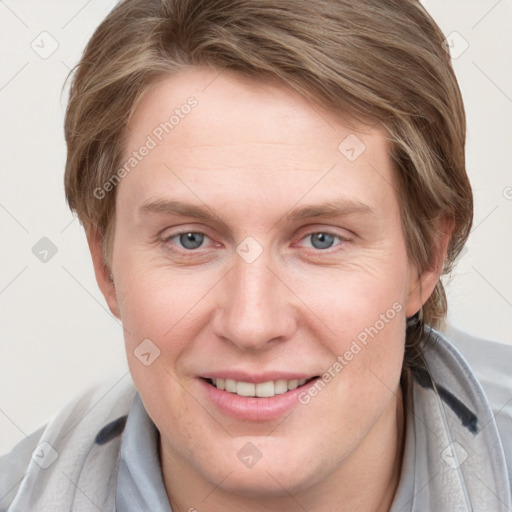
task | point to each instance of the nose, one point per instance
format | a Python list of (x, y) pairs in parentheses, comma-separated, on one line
[(256, 307)]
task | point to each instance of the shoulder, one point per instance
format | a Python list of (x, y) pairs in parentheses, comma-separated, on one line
[(491, 363), (489, 360), (92, 418)]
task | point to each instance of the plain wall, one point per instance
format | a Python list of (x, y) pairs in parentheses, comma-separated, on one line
[(57, 336)]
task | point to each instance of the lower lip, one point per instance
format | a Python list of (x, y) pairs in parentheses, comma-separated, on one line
[(255, 408)]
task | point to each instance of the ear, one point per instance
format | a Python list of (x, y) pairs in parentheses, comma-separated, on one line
[(422, 286), (102, 272)]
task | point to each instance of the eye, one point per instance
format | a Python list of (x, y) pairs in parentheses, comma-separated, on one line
[(189, 240), (322, 239)]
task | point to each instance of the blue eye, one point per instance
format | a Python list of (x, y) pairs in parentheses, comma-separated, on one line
[(190, 240), (322, 240)]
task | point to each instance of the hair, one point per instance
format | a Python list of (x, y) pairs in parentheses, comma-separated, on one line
[(367, 59)]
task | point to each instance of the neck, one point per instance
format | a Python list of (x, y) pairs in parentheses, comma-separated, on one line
[(370, 477)]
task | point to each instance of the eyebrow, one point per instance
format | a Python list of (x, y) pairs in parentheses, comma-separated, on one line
[(178, 208), (337, 208)]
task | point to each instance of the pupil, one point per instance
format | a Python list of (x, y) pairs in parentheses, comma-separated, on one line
[(191, 240), (322, 240)]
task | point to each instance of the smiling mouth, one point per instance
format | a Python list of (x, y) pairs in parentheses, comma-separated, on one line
[(260, 390)]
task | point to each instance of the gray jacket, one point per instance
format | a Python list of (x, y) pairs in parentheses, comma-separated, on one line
[(100, 452)]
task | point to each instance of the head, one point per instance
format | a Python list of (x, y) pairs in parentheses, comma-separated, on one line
[(250, 113)]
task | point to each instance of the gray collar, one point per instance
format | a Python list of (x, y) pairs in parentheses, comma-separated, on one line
[(139, 479)]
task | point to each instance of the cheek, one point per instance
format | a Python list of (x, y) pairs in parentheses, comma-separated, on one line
[(352, 299), (363, 327), (169, 308), (153, 296)]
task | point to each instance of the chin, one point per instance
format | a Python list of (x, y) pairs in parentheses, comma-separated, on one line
[(265, 482), (275, 475)]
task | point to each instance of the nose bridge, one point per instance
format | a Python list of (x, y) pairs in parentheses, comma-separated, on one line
[(255, 308)]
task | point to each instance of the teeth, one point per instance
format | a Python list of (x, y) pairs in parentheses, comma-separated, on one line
[(245, 389), (230, 385), (263, 389), (280, 386), (292, 384)]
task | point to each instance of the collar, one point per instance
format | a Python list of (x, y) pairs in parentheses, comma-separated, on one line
[(453, 458), (140, 484)]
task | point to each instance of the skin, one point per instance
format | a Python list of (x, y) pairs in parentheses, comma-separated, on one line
[(253, 151)]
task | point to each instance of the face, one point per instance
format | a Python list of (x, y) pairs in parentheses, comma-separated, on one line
[(258, 248)]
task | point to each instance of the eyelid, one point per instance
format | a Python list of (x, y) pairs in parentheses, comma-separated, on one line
[(184, 232), (342, 233)]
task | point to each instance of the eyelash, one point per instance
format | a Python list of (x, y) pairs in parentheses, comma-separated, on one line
[(192, 252)]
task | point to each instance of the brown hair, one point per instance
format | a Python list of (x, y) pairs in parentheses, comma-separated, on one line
[(371, 59)]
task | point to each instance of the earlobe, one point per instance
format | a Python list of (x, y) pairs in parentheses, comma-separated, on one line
[(104, 277), (422, 285), (420, 289)]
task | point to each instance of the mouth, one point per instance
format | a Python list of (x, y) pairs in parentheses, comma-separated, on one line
[(267, 389), (262, 397)]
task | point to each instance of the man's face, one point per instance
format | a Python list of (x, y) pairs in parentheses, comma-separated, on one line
[(296, 270)]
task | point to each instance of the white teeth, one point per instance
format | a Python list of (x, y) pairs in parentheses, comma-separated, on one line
[(263, 389), (292, 384), (245, 389), (280, 386), (230, 385)]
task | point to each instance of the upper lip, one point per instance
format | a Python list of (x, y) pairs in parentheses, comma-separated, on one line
[(256, 378)]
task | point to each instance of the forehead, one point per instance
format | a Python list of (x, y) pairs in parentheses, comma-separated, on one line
[(218, 133)]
